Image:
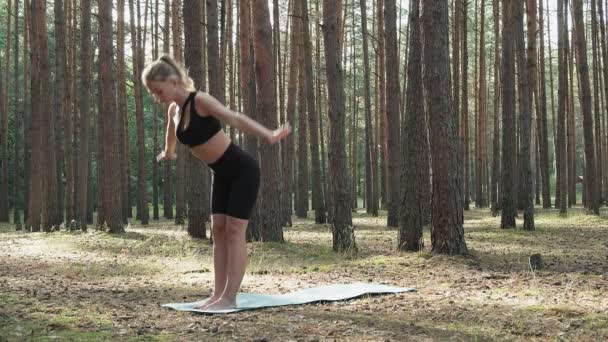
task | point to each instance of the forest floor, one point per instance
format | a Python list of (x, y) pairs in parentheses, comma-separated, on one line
[(96, 287)]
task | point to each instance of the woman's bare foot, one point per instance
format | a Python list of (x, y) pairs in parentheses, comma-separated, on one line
[(208, 302), (222, 304)]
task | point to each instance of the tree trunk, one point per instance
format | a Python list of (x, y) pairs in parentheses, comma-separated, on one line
[(481, 130), (561, 110), (370, 186), (570, 124), (198, 199), (447, 234), (596, 100), (342, 229), (182, 150), (142, 189), (464, 116), (392, 114), (155, 134), (508, 115), (110, 203), (302, 204), (313, 121), (168, 170), (585, 98), (415, 196), (496, 137), (605, 76), (34, 200), (289, 145), (50, 207), (526, 119), (249, 100), (19, 114), (542, 115), (4, 100), (381, 103), (270, 218)]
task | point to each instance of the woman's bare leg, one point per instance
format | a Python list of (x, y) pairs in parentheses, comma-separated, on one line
[(220, 259), (237, 262)]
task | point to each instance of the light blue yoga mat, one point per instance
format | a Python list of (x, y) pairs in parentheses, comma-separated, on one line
[(335, 292)]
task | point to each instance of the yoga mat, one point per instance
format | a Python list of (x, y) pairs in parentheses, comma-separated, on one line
[(327, 293)]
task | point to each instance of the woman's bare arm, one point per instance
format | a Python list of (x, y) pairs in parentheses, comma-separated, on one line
[(170, 139), (206, 103)]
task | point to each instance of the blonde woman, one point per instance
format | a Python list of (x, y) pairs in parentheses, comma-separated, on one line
[(195, 120)]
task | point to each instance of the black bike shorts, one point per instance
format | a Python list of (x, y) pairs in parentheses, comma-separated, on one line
[(236, 181)]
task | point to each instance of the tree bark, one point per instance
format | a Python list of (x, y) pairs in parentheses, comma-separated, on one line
[(342, 229), (447, 234), (415, 180), (508, 114), (585, 98), (526, 119), (313, 120), (110, 203), (392, 114), (270, 218)]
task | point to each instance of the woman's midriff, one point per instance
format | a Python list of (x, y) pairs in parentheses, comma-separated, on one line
[(213, 149)]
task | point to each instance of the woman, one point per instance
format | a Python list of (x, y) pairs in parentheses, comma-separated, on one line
[(194, 119)]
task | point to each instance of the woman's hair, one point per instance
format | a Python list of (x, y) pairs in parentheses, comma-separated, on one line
[(165, 68)]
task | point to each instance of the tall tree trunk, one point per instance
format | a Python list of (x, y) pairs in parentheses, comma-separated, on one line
[(392, 114), (34, 200), (155, 134), (110, 203), (370, 186), (181, 167), (457, 37), (508, 115), (570, 124), (247, 85), (496, 137), (342, 229), (481, 129), (605, 77), (289, 146), (67, 114), (63, 104), (302, 204), (4, 101), (122, 108), (168, 170), (270, 218), (596, 100), (198, 199), (561, 110), (526, 118), (142, 187), (381, 102), (447, 234), (27, 115), (464, 110), (19, 114), (542, 114), (415, 180), (585, 98), (313, 121), (46, 147)]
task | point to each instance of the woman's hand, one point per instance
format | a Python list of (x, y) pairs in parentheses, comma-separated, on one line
[(279, 133), (164, 156)]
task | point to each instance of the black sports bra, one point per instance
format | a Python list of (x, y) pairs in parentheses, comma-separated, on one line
[(200, 129)]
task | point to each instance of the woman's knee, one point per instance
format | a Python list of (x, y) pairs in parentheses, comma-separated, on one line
[(218, 224), (235, 228)]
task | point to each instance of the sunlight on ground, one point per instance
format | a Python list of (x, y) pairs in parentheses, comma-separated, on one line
[(95, 286)]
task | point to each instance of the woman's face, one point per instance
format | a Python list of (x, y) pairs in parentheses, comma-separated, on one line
[(162, 91)]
